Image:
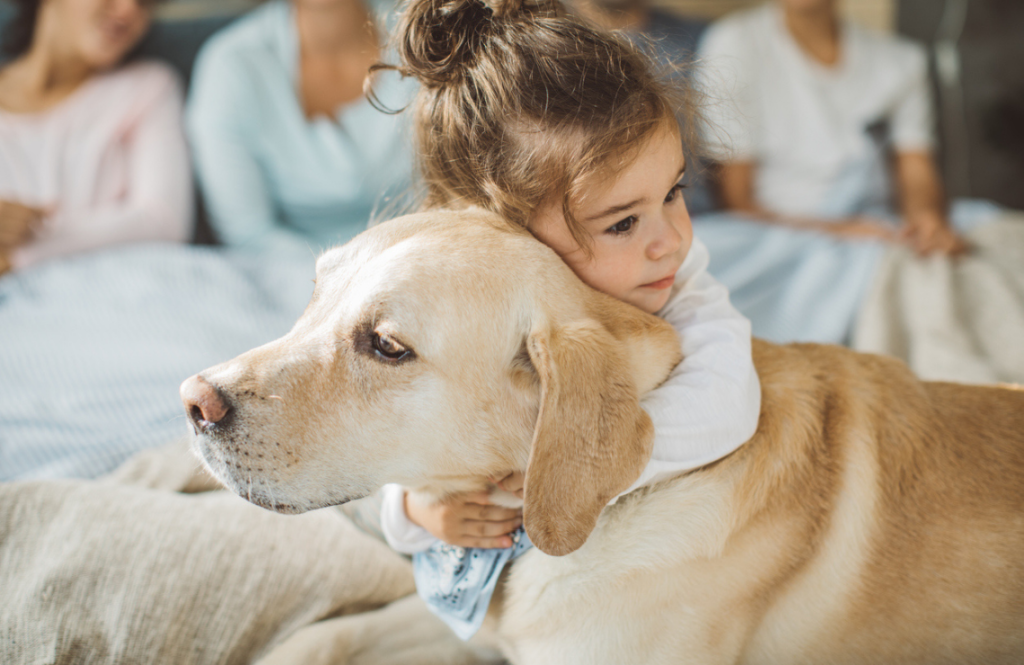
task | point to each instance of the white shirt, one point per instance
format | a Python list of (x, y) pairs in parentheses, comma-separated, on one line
[(815, 131), (109, 163), (707, 408)]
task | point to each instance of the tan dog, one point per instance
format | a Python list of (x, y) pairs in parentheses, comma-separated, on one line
[(873, 518)]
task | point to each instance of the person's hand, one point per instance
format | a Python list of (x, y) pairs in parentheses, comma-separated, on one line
[(862, 228), (928, 233), (17, 223), (512, 482), (5, 263), (466, 520)]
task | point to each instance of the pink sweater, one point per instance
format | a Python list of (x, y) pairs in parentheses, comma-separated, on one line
[(110, 163)]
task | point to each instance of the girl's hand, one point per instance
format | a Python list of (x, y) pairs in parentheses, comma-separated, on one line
[(511, 483), (17, 223), (929, 233), (466, 520)]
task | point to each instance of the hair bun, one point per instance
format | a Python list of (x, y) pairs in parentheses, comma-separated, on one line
[(439, 39)]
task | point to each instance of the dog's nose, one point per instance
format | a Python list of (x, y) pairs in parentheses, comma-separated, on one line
[(204, 404)]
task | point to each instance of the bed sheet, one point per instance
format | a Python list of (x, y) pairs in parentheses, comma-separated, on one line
[(93, 348)]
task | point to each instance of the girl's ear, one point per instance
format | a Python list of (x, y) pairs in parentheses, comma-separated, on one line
[(591, 439)]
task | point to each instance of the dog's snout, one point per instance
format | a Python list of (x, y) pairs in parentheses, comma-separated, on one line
[(204, 403)]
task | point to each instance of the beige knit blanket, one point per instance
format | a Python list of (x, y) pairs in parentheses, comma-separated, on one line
[(127, 570), (952, 319)]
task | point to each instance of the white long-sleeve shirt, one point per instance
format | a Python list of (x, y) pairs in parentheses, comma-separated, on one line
[(109, 164), (707, 407)]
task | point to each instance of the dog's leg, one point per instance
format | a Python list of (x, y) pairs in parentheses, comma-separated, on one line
[(402, 633)]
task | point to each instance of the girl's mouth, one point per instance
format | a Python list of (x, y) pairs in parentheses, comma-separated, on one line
[(661, 283)]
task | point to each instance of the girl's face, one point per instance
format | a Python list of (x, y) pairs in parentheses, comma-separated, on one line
[(98, 32), (637, 223)]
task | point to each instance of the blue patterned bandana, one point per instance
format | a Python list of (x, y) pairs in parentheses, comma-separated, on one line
[(457, 582)]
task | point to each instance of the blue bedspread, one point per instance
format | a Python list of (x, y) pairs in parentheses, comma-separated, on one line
[(93, 349), (804, 286), (793, 285)]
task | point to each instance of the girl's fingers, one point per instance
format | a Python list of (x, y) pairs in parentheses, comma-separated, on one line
[(477, 529), (493, 513)]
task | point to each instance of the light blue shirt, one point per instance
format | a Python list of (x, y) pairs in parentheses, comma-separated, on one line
[(271, 178)]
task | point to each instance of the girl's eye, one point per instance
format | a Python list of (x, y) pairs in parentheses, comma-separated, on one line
[(674, 193), (623, 227)]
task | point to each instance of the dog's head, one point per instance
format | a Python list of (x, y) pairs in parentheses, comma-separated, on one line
[(437, 350)]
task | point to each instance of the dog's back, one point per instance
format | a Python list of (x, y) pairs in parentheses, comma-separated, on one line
[(913, 535), (873, 518)]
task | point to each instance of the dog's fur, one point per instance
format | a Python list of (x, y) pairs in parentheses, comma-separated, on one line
[(873, 518)]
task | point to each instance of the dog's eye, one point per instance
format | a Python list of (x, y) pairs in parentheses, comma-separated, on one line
[(388, 348)]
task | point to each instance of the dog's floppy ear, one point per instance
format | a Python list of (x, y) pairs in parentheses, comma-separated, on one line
[(592, 439)]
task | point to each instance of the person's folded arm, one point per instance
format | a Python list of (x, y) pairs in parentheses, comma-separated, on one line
[(922, 203), (158, 205)]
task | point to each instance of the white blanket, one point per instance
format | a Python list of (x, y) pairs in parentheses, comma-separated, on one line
[(952, 319), (124, 570)]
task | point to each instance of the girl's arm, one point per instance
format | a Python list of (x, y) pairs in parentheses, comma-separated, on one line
[(707, 408), (158, 204), (711, 402), (399, 531), (466, 520)]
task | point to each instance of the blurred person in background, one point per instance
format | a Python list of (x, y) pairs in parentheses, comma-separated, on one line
[(820, 124), (836, 225), (92, 151), (290, 153)]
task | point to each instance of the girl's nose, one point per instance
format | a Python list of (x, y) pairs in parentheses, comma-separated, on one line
[(667, 240)]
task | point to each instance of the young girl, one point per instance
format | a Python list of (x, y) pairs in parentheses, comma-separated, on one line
[(568, 132)]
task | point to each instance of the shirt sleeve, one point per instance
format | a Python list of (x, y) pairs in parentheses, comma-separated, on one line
[(711, 402), (724, 77), (399, 532), (158, 205), (223, 131), (913, 118)]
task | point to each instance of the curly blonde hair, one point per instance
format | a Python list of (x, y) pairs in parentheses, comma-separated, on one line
[(521, 103)]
